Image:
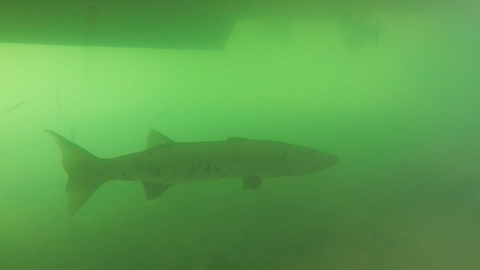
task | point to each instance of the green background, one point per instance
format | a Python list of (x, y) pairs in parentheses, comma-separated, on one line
[(394, 94)]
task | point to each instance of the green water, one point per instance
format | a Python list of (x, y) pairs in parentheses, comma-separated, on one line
[(401, 112)]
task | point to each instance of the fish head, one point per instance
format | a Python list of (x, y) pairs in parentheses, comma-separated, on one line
[(303, 160)]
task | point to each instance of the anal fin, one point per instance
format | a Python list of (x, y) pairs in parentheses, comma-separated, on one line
[(252, 182), (154, 190)]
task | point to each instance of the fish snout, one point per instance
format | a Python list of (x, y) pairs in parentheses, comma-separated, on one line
[(304, 160)]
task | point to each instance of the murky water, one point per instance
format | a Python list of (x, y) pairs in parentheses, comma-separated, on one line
[(394, 94)]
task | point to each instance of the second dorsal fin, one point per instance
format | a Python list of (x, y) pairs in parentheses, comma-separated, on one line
[(237, 139)]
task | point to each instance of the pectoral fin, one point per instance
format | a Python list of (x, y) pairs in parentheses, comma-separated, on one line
[(252, 182), (153, 190)]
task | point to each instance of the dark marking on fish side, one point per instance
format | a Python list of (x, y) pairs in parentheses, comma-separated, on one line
[(156, 171), (192, 171), (150, 168), (137, 166), (208, 168)]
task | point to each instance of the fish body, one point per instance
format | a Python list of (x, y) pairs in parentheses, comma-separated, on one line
[(166, 163)]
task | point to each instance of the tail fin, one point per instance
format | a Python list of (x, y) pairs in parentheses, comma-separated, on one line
[(82, 168)]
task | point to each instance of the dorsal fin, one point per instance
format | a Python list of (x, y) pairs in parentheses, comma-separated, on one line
[(237, 139), (156, 139)]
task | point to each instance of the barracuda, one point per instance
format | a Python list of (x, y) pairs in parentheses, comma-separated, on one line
[(166, 163)]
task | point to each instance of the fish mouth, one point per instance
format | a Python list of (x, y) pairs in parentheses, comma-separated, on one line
[(332, 162), (335, 159)]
